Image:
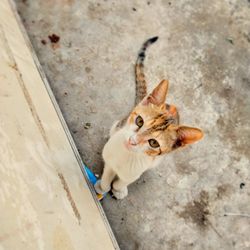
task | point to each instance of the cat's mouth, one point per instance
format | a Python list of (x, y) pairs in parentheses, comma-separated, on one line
[(130, 144), (127, 145)]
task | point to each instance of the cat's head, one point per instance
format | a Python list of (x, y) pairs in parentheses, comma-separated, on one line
[(153, 126)]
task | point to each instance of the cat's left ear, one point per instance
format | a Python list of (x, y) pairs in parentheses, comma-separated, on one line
[(158, 95), (187, 135)]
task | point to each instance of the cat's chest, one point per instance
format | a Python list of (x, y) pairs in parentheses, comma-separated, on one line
[(122, 160)]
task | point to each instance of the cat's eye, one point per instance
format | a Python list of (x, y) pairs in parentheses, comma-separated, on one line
[(153, 143), (139, 121)]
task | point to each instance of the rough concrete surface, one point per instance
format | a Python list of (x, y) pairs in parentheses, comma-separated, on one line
[(204, 51)]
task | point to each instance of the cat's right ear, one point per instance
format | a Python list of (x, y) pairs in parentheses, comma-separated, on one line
[(158, 95)]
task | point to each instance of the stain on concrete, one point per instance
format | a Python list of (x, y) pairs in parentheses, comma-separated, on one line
[(213, 75), (70, 198), (231, 132), (247, 37), (172, 244), (96, 11), (88, 69), (184, 168), (246, 82), (43, 41), (197, 210), (224, 190), (54, 38)]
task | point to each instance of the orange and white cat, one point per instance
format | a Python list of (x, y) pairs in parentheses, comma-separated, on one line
[(141, 140)]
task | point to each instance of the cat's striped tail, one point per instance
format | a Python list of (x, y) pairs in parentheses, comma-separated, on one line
[(141, 85)]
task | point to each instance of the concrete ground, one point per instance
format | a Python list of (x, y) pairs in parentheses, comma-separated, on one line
[(204, 50)]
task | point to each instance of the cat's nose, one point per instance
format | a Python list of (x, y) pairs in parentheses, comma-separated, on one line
[(132, 140)]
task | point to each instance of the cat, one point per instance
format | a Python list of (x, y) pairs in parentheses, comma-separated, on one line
[(141, 140)]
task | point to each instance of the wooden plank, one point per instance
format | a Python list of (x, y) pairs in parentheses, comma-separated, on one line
[(45, 200)]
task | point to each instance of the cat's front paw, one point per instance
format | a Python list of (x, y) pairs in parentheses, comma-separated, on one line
[(99, 189), (120, 194)]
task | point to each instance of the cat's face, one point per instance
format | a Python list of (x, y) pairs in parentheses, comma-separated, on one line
[(153, 126)]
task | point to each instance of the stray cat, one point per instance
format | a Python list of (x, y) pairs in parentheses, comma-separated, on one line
[(141, 140)]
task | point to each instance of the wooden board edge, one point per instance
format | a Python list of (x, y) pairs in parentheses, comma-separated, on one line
[(62, 121)]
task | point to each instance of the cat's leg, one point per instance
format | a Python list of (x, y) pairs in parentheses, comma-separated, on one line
[(120, 188), (103, 186)]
